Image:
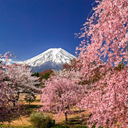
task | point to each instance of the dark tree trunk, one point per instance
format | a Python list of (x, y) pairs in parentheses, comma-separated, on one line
[(14, 103), (16, 99), (17, 96), (66, 119)]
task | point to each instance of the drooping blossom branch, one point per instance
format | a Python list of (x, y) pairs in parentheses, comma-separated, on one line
[(105, 47)]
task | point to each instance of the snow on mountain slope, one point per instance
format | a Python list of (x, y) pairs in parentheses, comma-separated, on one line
[(53, 58)]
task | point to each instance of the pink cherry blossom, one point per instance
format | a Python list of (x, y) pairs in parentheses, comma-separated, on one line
[(106, 34)]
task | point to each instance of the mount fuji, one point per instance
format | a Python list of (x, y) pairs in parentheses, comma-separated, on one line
[(52, 58)]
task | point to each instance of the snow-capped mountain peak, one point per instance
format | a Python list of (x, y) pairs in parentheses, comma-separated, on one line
[(52, 58)]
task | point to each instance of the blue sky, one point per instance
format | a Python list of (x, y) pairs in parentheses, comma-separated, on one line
[(29, 27)]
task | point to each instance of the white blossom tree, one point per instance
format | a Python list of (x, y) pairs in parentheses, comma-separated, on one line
[(19, 78), (7, 110)]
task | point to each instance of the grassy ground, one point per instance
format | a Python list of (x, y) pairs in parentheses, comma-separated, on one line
[(23, 121)]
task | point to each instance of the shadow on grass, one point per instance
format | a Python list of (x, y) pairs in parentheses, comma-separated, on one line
[(77, 119), (9, 126), (68, 126), (26, 110), (23, 110), (74, 120), (60, 126)]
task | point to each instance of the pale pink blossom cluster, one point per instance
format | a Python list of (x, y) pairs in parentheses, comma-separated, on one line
[(61, 93)]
